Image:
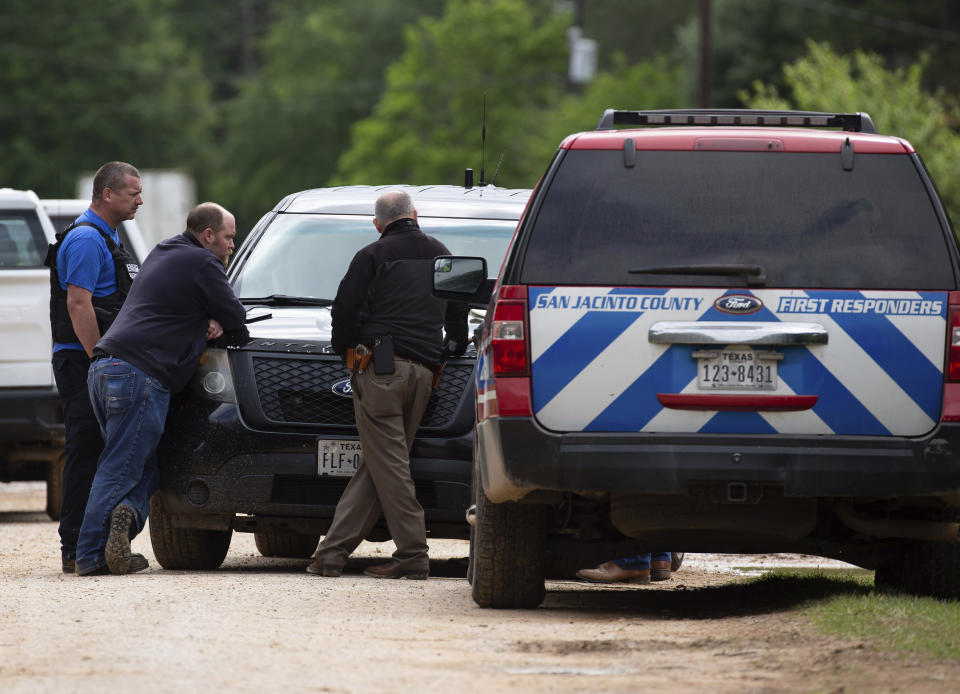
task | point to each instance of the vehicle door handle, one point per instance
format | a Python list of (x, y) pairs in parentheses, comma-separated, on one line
[(737, 333)]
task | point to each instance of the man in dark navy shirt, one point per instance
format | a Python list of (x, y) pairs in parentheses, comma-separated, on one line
[(86, 274), (180, 300)]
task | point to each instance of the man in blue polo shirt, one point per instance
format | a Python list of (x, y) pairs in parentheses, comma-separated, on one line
[(90, 275)]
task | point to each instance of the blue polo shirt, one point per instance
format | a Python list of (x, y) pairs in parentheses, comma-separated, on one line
[(85, 261)]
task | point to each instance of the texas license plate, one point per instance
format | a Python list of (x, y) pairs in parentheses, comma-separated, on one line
[(337, 457), (737, 369)]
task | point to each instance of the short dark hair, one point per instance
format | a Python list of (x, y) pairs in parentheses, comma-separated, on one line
[(206, 214), (113, 175)]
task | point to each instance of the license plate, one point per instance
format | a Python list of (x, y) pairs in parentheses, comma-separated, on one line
[(337, 457), (737, 369)]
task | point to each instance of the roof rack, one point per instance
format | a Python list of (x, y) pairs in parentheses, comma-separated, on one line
[(852, 122)]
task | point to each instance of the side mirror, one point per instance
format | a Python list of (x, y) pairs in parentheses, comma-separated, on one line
[(459, 278)]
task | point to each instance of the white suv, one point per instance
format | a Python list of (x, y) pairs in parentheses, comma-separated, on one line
[(31, 424)]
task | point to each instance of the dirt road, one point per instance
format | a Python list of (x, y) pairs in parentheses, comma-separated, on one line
[(263, 625)]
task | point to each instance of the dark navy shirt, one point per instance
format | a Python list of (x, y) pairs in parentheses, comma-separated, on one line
[(162, 326)]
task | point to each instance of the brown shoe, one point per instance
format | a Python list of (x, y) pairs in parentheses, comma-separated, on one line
[(396, 570), (318, 568), (609, 572), (659, 571)]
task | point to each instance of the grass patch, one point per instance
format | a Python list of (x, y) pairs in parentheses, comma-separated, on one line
[(925, 627)]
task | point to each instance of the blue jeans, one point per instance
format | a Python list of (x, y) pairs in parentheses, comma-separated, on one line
[(131, 408), (641, 562)]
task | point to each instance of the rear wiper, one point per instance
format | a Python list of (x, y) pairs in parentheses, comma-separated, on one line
[(755, 274), (285, 300)]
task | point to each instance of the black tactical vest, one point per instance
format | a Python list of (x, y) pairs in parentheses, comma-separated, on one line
[(107, 307)]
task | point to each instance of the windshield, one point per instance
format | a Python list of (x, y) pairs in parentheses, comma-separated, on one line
[(302, 255)]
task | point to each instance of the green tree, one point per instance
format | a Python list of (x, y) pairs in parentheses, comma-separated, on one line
[(895, 99), (753, 39), (427, 125), (649, 84), (83, 84), (321, 70)]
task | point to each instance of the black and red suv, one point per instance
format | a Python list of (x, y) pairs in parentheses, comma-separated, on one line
[(723, 331)]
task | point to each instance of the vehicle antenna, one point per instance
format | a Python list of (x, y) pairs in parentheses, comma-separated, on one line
[(483, 139)]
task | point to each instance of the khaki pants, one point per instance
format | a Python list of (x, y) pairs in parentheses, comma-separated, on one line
[(388, 410)]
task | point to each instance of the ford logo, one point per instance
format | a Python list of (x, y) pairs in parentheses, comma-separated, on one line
[(738, 303), (342, 388)]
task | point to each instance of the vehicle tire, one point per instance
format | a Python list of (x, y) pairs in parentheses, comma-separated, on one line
[(286, 543), (676, 560), (508, 554), (55, 485), (923, 568), (185, 548)]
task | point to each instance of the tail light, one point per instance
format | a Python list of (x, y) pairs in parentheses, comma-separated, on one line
[(509, 362), (951, 372), (953, 339), (508, 339)]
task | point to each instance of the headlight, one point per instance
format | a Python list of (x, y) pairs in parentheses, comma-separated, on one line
[(213, 380)]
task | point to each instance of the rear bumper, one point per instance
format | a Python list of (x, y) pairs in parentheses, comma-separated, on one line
[(518, 456)]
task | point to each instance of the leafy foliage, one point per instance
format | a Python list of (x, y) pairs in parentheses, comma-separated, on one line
[(322, 67), (753, 39), (895, 99), (75, 96), (427, 126)]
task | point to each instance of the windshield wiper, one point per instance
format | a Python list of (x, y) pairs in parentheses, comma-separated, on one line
[(285, 300), (754, 274)]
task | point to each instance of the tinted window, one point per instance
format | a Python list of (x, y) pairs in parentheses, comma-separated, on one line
[(307, 255), (22, 243), (801, 217)]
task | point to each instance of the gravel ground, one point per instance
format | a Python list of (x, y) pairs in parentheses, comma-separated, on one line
[(263, 625)]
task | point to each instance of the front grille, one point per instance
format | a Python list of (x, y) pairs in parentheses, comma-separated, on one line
[(295, 390), (326, 491)]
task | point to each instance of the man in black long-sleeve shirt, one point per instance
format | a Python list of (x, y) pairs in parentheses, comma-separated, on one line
[(180, 300), (385, 302)]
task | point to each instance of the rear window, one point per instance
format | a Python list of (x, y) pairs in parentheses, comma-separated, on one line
[(799, 216), (22, 243)]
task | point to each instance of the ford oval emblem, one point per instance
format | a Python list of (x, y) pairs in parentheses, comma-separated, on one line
[(738, 303), (342, 388)]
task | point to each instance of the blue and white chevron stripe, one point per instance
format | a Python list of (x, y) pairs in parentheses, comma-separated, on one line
[(594, 367)]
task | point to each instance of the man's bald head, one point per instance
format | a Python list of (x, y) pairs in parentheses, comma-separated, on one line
[(214, 227), (391, 206)]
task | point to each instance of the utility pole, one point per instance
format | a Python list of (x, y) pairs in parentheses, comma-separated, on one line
[(704, 53), (583, 51)]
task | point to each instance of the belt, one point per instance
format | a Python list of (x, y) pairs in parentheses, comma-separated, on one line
[(99, 354)]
